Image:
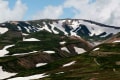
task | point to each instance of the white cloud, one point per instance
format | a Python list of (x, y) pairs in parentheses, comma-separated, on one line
[(7, 14), (105, 11), (51, 12)]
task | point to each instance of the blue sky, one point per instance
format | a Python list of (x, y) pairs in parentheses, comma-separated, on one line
[(104, 11), (33, 7), (37, 5)]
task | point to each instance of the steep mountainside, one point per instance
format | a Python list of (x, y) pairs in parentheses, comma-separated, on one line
[(82, 28), (43, 46)]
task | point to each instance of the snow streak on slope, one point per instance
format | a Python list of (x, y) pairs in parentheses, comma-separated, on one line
[(4, 51), (37, 76), (96, 49), (59, 26), (25, 53), (54, 31), (69, 64)]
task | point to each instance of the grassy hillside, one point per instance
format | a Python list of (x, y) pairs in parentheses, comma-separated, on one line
[(87, 66)]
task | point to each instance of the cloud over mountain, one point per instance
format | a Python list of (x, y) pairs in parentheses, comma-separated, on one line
[(52, 12), (105, 11), (16, 13)]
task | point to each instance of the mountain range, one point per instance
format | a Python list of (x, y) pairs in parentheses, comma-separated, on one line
[(54, 49)]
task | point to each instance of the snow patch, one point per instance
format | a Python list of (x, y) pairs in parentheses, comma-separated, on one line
[(25, 53), (65, 49), (24, 34), (46, 27), (3, 30), (62, 42), (4, 51), (73, 33), (4, 74), (31, 39), (49, 52), (30, 77), (19, 28), (33, 52), (27, 29), (69, 64), (55, 32), (96, 49), (60, 73), (40, 64), (75, 24), (59, 25), (79, 50), (116, 41)]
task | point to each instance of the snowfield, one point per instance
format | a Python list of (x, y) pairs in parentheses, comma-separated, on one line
[(93, 28), (96, 29)]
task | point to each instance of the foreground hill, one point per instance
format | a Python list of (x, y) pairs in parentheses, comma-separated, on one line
[(97, 64)]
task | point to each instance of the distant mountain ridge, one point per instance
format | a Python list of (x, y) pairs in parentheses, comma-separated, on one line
[(83, 28), (86, 32)]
